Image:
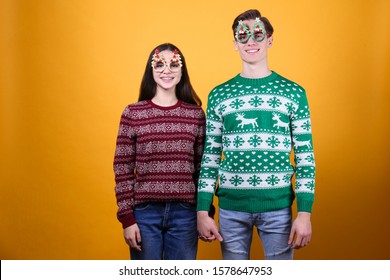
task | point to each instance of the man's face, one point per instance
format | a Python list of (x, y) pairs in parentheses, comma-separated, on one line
[(253, 51)]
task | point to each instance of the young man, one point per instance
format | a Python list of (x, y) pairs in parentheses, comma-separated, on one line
[(254, 121)]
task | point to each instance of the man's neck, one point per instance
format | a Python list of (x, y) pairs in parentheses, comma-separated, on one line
[(255, 71)]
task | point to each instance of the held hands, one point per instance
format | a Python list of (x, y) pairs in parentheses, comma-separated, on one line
[(300, 231), (207, 229), (132, 236)]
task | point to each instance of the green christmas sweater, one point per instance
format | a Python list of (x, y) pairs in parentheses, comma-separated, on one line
[(253, 128)]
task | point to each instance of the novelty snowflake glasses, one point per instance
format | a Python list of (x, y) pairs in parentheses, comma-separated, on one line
[(243, 33), (159, 64)]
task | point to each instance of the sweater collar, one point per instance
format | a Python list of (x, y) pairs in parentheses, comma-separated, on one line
[(257, 81), (179, 102)]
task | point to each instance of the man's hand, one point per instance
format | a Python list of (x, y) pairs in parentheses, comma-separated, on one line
[(132, 236), (300, 231), (207, 229)]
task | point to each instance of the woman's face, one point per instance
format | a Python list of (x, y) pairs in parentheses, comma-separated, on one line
[(166, 69)]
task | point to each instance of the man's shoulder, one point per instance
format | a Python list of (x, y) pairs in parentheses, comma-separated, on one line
[(218, 91), (225, 84), (288, 82)]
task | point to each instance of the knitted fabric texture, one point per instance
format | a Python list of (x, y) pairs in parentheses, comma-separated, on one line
[(255, 130), (158, 155)]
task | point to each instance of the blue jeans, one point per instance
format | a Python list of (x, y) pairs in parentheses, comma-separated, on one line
[(168, 231), (273, 228)]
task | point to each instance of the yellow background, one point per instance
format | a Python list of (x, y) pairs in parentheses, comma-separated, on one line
[(69, 67)]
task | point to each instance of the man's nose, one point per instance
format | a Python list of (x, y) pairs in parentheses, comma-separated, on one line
[(251, 37)]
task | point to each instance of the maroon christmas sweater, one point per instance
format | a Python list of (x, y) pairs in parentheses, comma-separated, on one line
[(158, 155)]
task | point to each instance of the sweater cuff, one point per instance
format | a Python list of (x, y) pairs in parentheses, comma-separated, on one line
[(304, 205), (127, 220), (203, 205)]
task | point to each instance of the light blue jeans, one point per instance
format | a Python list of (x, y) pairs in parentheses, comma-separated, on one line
[(273, 228), (168, 231)]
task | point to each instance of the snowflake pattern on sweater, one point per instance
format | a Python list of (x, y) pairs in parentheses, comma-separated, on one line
[(252, 127), (158, 155)]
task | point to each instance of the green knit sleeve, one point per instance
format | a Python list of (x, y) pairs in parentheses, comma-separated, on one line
[(211, 155), (303, 153)]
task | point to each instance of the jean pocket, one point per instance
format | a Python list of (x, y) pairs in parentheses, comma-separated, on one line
[(142, 206), (186, 205)]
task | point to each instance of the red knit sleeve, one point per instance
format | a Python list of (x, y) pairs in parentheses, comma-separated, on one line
[(124, 166), (199, 146)]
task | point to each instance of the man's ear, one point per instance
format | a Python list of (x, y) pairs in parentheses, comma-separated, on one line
[(235, 45), (270, 41)]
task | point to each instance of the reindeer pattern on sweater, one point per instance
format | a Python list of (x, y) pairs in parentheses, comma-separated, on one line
[(258, 135)]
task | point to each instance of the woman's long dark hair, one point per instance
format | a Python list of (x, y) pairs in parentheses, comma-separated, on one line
[(184, 89)]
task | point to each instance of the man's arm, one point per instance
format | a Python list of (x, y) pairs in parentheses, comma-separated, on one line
[(207, 228), (300, 234), (301, 231)]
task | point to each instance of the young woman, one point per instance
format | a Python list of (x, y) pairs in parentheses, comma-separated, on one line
[(157, 161)]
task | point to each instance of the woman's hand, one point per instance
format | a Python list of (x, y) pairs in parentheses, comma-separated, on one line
[(132, 236)]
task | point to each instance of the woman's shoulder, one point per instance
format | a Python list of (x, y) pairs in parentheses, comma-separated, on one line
[(190, 106), (138, 104), (132, 108), (196, 109)]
